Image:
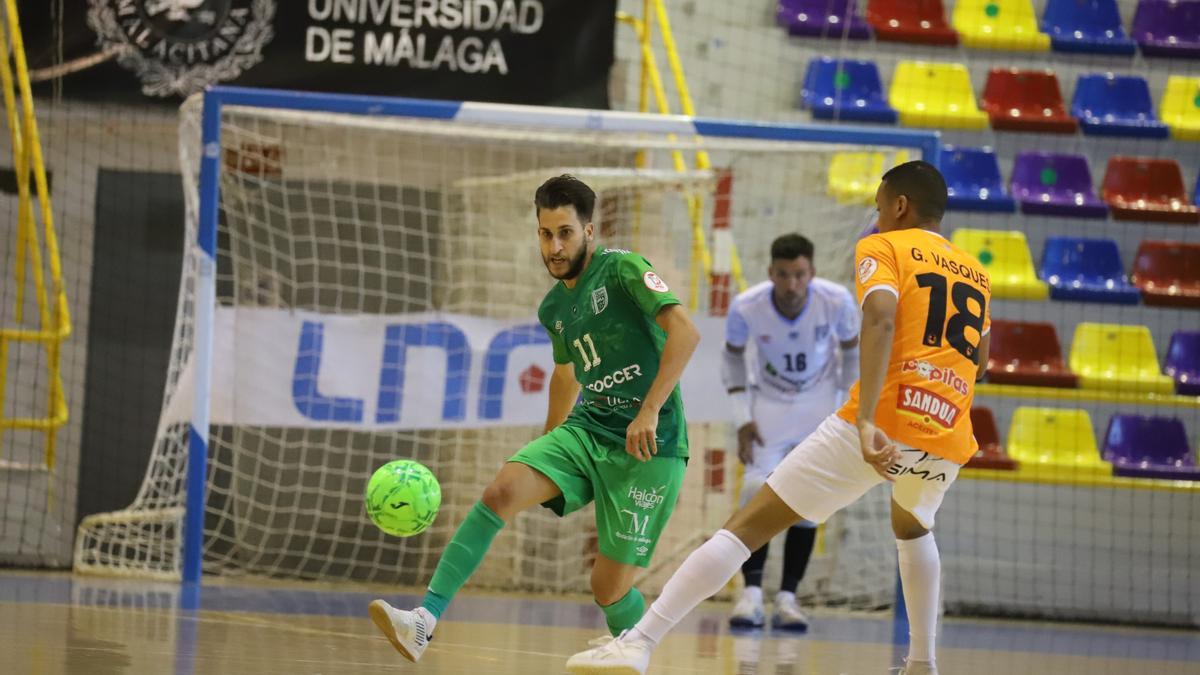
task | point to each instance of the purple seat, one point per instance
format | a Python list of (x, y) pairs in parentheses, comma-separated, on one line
[(1183, 362), (1055, 185), (1168, 28), (822, 18), (1149, 447)]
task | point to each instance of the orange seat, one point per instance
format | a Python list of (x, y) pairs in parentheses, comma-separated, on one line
[(1027, 353), (1145, 188), (1168, 273), (1026, 100), (991, 454), (920, 21)]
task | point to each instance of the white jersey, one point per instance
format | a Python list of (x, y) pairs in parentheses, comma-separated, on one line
[(792, 356)]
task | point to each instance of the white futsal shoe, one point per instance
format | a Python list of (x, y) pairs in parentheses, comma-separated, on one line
[(409, 632), (623, 656), (748, 612), (912, 667), (788, 615)]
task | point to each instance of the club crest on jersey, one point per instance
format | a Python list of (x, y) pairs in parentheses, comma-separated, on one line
[(558, 327), (654, 283), (822, 332), (599, 299), (177, 47), (927, 405), (866, 269)]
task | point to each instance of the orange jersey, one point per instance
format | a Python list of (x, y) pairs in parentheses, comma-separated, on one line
[(942, 312)]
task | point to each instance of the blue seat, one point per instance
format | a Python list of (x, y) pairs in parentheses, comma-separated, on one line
[(973, 181), (1088, 270), (1116, 105), (846, 90), (1090, 26)]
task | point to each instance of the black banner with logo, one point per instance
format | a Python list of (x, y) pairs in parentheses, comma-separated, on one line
[(556, 52)]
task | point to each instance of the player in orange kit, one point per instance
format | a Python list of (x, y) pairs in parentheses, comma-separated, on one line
[(924, 344)]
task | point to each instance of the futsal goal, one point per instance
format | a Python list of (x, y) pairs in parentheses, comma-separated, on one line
[(360, 284)]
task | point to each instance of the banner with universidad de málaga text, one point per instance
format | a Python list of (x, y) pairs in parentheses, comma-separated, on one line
[(507, 51), (411, 371)]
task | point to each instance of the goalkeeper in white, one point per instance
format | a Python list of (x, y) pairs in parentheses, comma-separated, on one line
[(805, 335)]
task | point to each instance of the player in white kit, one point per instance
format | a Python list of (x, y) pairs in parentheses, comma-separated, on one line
[(804, 330)]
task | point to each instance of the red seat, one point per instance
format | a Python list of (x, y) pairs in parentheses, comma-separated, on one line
[(1144, 188), (1168, 273), (991, 454), (1026, 100), (920, 21), (1027, 353)]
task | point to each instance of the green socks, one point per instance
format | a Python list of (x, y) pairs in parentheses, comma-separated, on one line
[(463, 555), (624, 613)]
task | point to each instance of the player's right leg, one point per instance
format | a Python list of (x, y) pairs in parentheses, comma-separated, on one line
[(543, 472), (748, 611)]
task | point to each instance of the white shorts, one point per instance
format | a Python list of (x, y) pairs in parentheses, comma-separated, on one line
[(782, 426), (826, 473)]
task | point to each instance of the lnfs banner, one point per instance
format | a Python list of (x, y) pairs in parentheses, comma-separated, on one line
[(509, 51), (288, 368)]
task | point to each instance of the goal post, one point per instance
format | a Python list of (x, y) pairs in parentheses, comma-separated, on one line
[(325, 227)]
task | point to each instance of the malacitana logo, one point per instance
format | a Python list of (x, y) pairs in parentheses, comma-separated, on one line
[(177, 47)]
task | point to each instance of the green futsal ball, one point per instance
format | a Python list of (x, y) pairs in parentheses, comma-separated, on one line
[(403, 498)]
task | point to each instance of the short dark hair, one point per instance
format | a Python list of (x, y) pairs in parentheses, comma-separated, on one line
[(923, 184), (792, 246), (566, 190)]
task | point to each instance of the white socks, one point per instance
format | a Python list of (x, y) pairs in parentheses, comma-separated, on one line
[(920, 576), (753, 593), (705, 572)]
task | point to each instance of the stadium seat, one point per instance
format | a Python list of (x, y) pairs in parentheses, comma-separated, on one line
[(1055, 441), (1168, 273), (1168, 28), (845, 90), (1149, 447), (1183, 362), (991, 454), (854, 176), (1088, 270), (1005, 255), (937, 95), (1117, 357), (1026, 100), (973, 181), (1027, 353), (822, 18), (1091, 26), (1180, 107), (1055, 185), (999, 24), (1116, 105), (920, 21), (1145, 188)]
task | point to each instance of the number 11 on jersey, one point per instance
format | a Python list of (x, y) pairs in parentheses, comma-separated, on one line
[(594, 361)]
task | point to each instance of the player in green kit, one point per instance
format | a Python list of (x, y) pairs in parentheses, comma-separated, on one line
[(619, 332)]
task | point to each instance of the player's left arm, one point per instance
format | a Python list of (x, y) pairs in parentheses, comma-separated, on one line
[(682, 338), (985, 346)]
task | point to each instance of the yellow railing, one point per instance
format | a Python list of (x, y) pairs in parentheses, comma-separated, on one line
[(651, 82), (54, 320)]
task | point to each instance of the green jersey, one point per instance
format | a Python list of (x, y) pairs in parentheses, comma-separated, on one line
[(605, 327)]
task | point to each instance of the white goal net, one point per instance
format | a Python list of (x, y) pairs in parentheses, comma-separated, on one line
[(377, 280)]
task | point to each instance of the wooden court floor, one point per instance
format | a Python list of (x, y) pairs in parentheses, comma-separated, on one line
[(58, 623)]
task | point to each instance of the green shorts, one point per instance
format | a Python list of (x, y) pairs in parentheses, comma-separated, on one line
[(634, 499)]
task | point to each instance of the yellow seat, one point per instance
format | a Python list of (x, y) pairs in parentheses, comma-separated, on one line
[(1180, 107), (854, 176), (1055, 441), (999, 24), (937, 95), (1005, 256), (1112, 356)]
